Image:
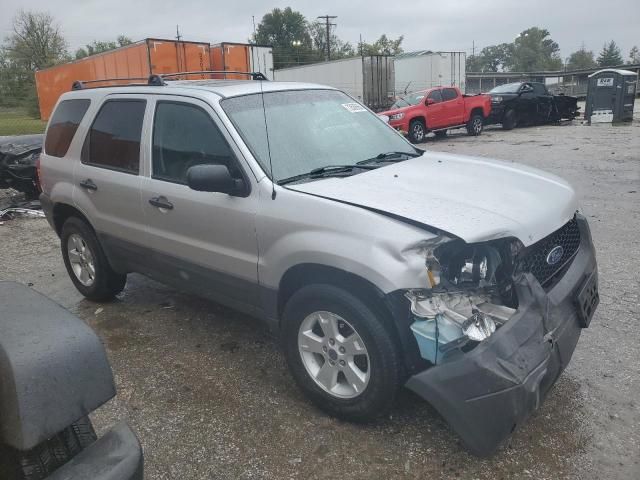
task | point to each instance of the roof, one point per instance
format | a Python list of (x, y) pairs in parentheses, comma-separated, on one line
[(233, 88), (420, 53), (614, 70), (222, 88)]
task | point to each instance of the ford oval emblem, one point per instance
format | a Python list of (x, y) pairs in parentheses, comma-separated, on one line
[(555, 255)]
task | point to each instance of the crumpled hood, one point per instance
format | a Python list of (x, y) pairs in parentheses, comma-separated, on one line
[(17, 145), (472, 198)]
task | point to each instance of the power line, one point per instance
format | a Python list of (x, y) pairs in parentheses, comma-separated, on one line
[(328, 24)]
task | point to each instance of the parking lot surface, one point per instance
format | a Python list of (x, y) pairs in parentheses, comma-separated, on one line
[(208, 392)]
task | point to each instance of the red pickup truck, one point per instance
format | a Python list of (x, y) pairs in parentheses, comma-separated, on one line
[(437, 110)]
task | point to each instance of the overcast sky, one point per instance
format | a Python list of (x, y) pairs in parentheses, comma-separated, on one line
[(437, 25)]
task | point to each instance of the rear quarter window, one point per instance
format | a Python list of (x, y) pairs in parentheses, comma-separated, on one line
[(63, 126)]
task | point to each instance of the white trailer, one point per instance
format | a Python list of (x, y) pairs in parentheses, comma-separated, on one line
[(369, 79), (261, 60), (425, 69)]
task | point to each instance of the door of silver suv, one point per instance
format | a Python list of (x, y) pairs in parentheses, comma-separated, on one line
[(204, 239)]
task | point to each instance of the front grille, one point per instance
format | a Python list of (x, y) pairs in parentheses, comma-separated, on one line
[(535, 257)]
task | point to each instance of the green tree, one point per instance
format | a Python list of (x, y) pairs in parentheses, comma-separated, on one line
[(99, 47), (36, 42), (382, 46), (534, 50), (634, 55), (581, 59), (288, 32), (490, 59), (610, 55)]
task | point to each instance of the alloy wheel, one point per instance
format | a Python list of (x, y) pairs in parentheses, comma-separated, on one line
[(334, 354), (81, 260)]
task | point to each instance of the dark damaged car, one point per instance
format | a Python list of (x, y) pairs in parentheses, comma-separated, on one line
[(529, 103), (18, 163), (54, 372), (380, 265)]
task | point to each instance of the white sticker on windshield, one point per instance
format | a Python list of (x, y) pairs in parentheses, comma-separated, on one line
[(354, 107)]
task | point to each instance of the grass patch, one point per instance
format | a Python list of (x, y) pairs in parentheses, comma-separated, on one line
[(15, 121)]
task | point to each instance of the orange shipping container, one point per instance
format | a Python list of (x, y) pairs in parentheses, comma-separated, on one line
[(241, 57), (138, 60)]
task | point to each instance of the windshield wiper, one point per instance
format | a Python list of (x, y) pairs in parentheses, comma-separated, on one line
[(325, 171), (389, 157)]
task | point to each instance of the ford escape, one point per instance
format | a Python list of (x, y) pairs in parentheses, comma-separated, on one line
[(380, 265)]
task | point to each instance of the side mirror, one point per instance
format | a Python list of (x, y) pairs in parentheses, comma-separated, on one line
[(213, 178), (430, 101)]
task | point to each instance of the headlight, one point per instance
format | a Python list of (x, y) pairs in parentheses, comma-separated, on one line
[(460, 264), (496, 99), (396, 116)]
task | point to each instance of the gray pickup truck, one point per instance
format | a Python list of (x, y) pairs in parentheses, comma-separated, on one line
[(467, 280)]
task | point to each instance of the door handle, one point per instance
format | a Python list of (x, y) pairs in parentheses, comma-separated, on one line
[(88, 184), (161, 202)]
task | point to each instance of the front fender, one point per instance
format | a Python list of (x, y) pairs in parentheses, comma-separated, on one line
[(53, 368), (382, 250)]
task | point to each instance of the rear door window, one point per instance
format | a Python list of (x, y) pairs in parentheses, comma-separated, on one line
[(114, 138), (436, 96), (63, 126), (185, 135), (449, 94)]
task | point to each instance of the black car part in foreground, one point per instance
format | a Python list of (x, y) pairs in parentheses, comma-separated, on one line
[(53, 373), (487, 392), (18, 157)]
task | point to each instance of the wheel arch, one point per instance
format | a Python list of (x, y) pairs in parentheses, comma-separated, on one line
[(62, 212), (304, 274), (477, 111), (389, 305), (421, 118)]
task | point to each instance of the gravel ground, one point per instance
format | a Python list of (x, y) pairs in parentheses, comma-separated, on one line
[(208, 393)]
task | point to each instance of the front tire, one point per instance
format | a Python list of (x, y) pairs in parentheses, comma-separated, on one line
[(417, 131), (340, 353), (510, 120), (87, 264), (39, 462), (475, 125)]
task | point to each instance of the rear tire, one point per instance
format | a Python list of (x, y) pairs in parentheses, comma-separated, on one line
[(510, 120), (475, 125), (357, 327), (39, 462), (417, 131), (87, 263)]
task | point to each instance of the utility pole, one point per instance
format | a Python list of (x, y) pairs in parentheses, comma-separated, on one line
[(178, 36), (327, 20), (473, 49)]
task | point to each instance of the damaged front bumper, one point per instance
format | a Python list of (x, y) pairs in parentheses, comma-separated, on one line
[(490, 390)]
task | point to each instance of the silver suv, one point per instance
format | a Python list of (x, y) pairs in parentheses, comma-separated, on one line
[(467, 280)]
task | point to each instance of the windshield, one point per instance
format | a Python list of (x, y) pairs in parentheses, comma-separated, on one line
[(507, 88), (310, 129), (408, 100)]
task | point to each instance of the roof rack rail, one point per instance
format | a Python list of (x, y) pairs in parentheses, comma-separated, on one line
[(253, 75), (81, 84), (157, 80)]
